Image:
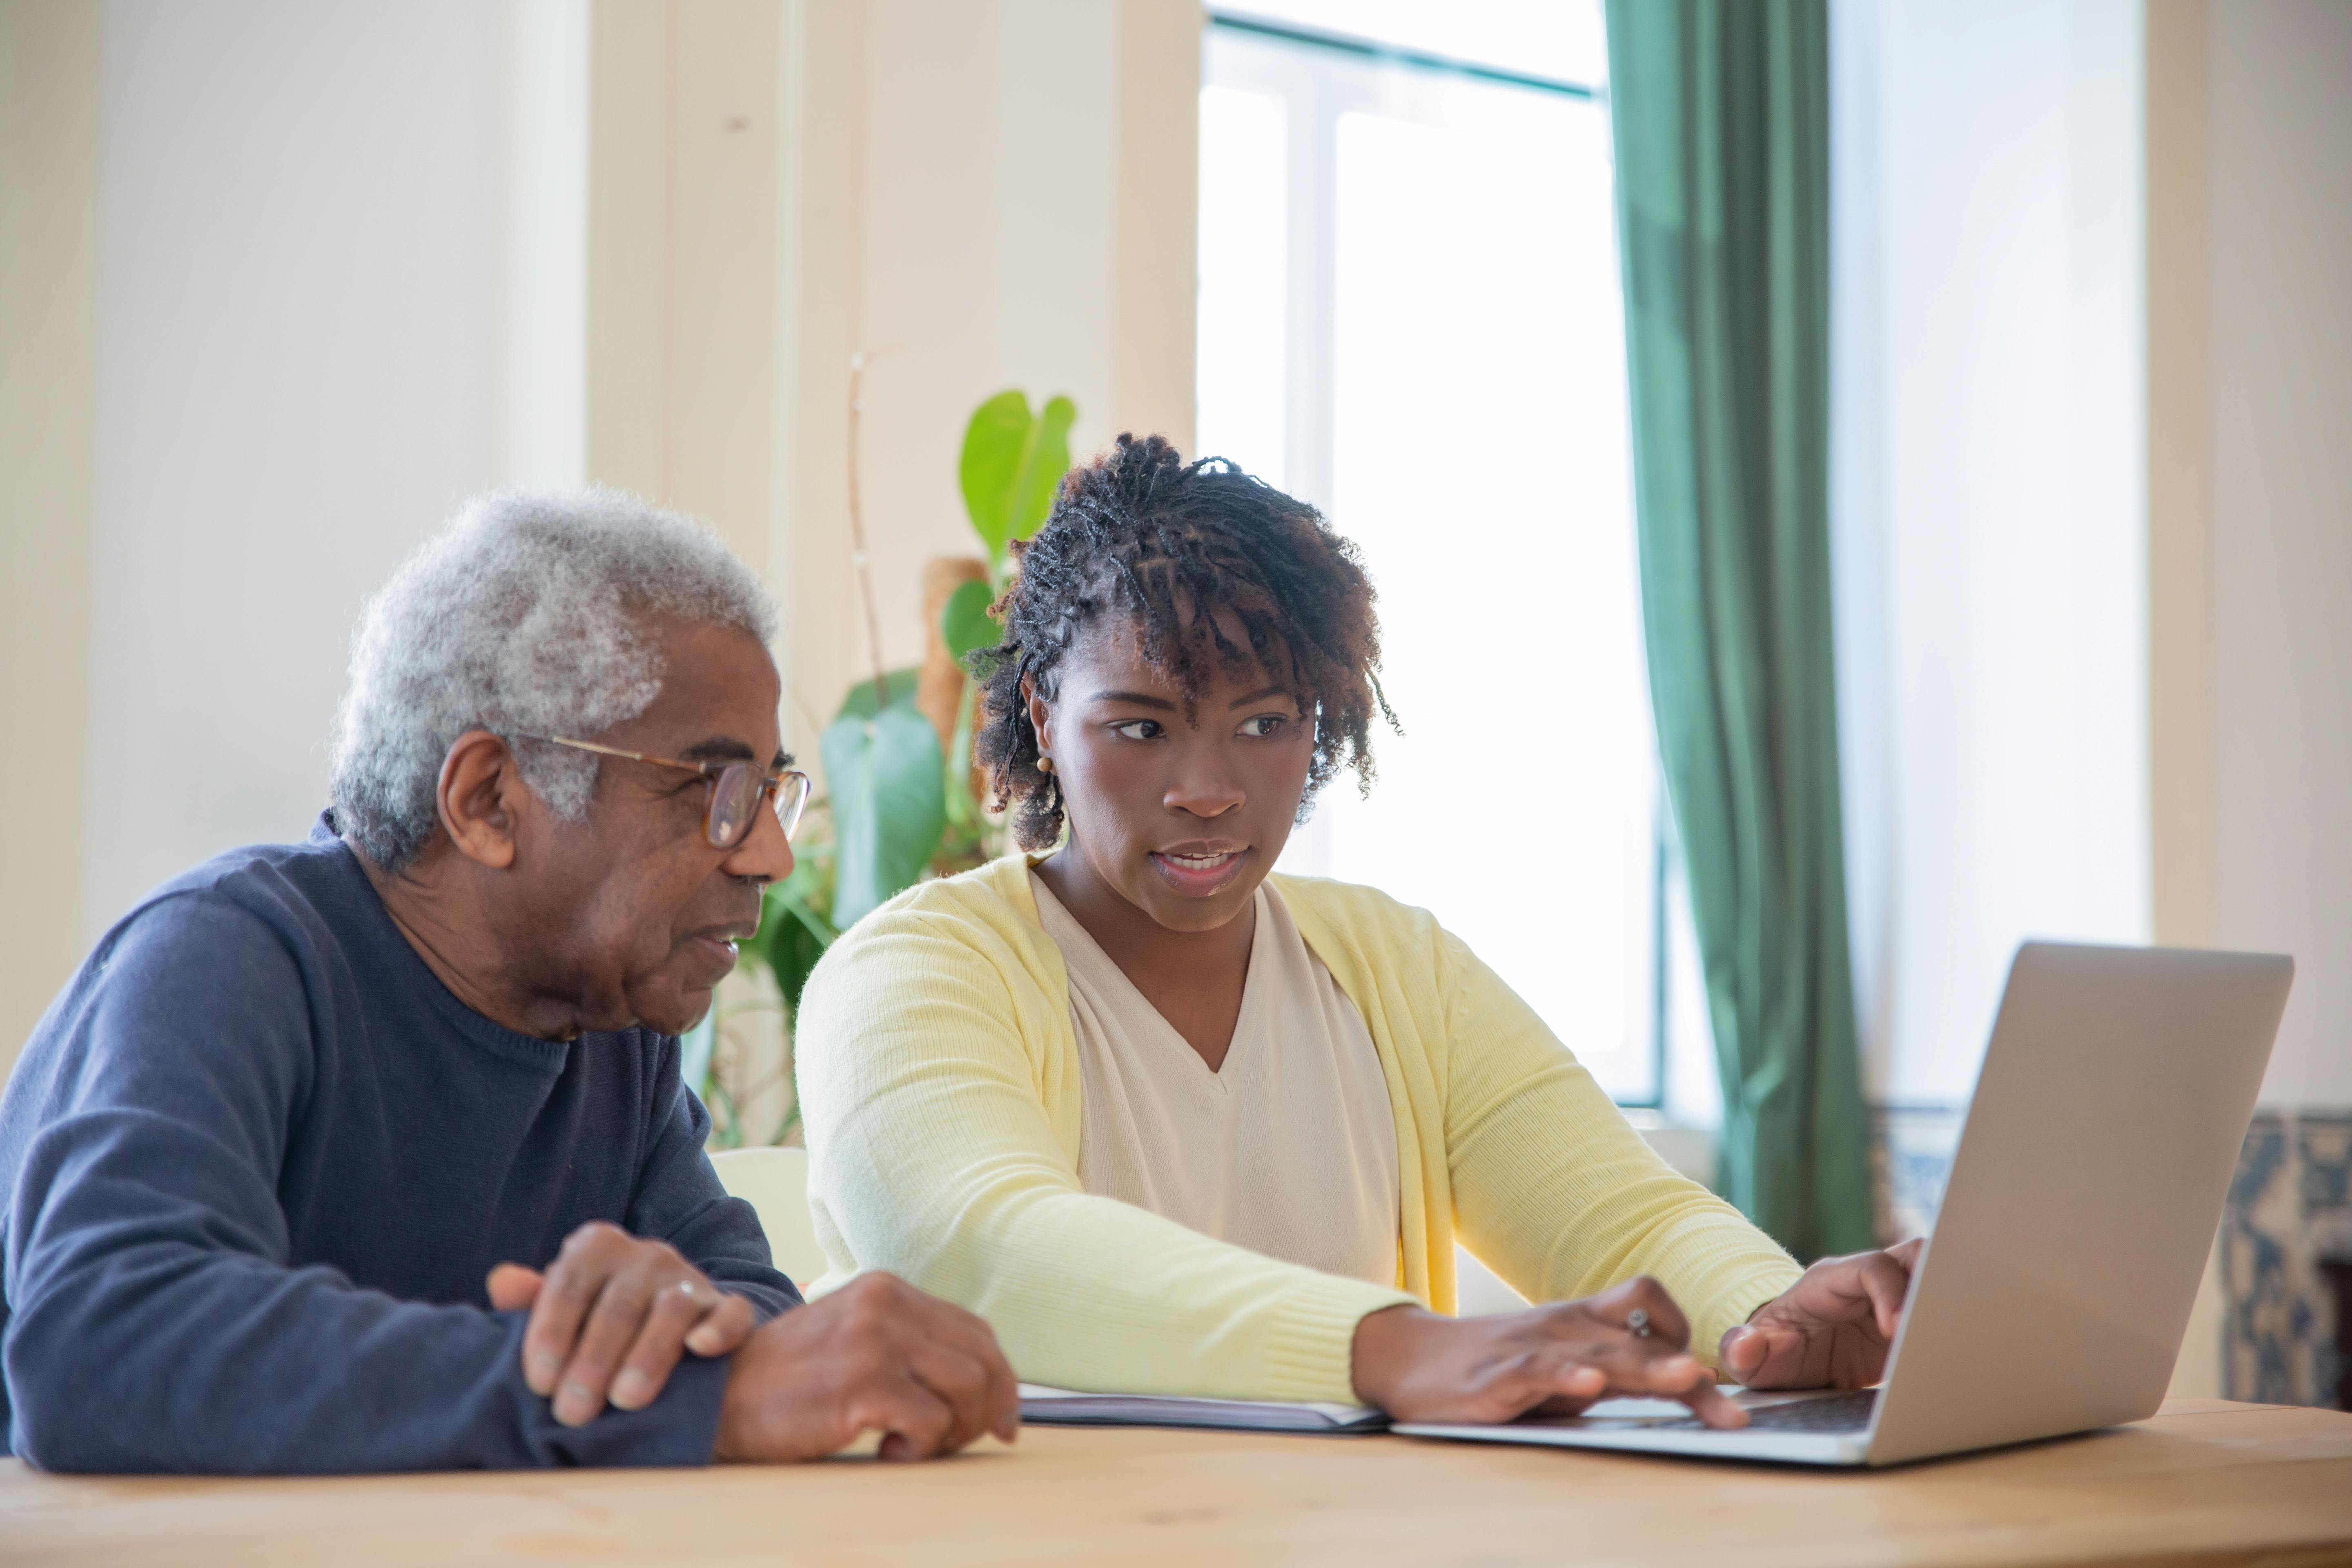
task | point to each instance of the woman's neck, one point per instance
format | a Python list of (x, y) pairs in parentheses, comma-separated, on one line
[(1193, 978)]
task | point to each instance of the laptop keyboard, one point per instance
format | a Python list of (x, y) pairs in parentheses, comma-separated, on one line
[(1833, 1413)]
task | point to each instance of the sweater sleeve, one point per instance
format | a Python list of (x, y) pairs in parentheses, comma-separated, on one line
[(680, 1200), (933, 1157), (1555, 1191), (155, 1323)]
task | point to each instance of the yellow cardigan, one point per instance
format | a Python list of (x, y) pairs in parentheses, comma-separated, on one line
[(938, 1079)]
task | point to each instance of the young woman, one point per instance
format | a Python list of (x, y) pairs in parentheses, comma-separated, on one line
[(1172, 1125)]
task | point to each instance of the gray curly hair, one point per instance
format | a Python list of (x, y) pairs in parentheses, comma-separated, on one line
[(526, 613)]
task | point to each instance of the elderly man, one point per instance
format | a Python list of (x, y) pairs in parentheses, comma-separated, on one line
[(371, 1153)]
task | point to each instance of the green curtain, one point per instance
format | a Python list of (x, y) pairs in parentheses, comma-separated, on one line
[(1721, 115)]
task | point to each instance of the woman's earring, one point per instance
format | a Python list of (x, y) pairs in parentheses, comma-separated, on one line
[(1044, 764)]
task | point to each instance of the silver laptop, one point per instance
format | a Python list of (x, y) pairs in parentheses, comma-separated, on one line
[(2073, 1232)]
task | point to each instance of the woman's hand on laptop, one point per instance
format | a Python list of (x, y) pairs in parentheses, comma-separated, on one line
[(1554, 1360), (610, 1318), (1832, 1329)]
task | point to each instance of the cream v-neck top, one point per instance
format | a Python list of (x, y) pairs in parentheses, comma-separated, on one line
[(1289, 1149)]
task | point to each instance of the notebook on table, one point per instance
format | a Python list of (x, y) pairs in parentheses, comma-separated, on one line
[(1043, 1407)]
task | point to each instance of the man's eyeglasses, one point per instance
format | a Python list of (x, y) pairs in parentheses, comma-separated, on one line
[(737, 788)]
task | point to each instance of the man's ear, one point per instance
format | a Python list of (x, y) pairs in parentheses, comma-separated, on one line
[(481, 796)]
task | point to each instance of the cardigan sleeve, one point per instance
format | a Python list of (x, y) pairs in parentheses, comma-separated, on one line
[(1555, 1191), (934, 1155)]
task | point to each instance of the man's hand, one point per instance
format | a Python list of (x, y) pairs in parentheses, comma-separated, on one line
[(1555, 1359), (610, 1318), (1832, 1329), (877, 1355)]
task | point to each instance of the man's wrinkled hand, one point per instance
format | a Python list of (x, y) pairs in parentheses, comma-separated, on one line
[(610, 1318), (877, 1355), (1832, 1329)]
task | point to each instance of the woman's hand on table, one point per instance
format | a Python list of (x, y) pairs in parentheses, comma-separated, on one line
[(1554, 1360), (1832, 1329)]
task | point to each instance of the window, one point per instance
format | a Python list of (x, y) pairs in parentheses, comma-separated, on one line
[(1409, 316)]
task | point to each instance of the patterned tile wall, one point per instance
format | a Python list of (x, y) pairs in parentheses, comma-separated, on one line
[(2289, 1214)]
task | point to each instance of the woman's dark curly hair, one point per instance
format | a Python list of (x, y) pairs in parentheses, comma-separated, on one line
[(1141, 531)]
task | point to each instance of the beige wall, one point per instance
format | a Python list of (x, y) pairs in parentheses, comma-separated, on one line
[(1025, 220), (2180, 660), (821, 319), (312, 314), (985, 195), (1156, 217), (685, 144), (2250, 501), (279, 285), (2179, 687), (2279, 156), (2250, 518), (48, 324), (2250, 401)]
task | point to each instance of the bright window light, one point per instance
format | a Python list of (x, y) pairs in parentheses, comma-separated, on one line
[(1540, 37), (1242, 277)]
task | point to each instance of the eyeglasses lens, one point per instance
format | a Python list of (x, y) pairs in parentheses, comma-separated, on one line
[(792, 795), (734, 797)]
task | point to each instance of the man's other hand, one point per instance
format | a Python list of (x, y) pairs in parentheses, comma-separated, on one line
[(1832, 1329), (610, 1318), (877, 1355)]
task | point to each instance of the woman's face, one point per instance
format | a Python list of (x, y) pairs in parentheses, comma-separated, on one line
[(1181, 818)]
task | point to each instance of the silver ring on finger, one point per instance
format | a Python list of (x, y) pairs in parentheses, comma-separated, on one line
[(691, 1290), (1637, 1323)]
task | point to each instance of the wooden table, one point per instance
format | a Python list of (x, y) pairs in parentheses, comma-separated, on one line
[(2204, 1482)]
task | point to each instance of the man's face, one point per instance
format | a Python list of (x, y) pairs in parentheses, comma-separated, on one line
[(630, 915)]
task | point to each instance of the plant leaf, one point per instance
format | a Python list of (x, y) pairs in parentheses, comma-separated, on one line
[(994, 445), (860, 700), (1047, 459), (1013, 464), (888, 785), (794, 931), (965, 624)]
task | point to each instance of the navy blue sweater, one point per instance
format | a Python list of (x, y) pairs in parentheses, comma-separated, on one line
[(257, 1161)]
